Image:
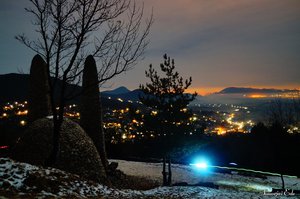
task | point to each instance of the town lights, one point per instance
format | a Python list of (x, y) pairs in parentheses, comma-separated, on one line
[(22, 123)]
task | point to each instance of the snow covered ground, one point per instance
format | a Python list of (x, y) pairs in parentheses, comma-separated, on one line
[(192, 175), (16, 177)]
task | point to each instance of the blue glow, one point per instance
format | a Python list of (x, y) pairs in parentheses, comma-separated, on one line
[(201, 164)]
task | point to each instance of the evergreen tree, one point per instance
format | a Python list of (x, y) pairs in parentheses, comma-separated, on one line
[(39, 100), (166, 98), (168, 105), (90, 108)]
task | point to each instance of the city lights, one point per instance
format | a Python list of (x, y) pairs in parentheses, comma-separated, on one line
[(22, 122), (220, 131), (153, 113), (220, 120)]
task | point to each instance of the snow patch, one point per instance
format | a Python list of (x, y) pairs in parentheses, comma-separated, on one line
[(231, 186)]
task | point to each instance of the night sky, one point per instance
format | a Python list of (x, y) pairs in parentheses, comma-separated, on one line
[(219, 43)]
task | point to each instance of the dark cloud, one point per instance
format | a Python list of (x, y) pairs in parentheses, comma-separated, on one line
[(218, 42)]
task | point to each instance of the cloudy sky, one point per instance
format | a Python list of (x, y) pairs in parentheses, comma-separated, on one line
[(219, 43)]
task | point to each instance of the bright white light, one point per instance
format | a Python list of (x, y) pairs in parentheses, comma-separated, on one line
[(201, 165)]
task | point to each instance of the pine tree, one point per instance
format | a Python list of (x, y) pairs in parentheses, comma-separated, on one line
[(167, 98)]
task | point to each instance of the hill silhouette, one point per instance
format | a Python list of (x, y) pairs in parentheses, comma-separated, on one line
[(243, 90), (14, 87), (117, 91)]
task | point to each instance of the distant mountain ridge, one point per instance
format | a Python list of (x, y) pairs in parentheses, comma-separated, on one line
[(117, 91), (15, 87), (123, 93), (243, 90)]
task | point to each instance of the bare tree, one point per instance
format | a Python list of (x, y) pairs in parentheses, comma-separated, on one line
[(286, 112), (283, 114), (296, 107), (110, 30)]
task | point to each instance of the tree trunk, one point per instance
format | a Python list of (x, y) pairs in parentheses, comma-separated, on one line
[(58, 118), (169, 173), (164, 173), (55, 140), (102, 149), (282, 181)]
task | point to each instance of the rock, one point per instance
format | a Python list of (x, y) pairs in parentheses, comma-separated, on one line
[(113, 166), (77, 154)]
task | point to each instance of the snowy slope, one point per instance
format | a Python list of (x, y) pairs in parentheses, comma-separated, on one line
[(191, 175), (20, 180)]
